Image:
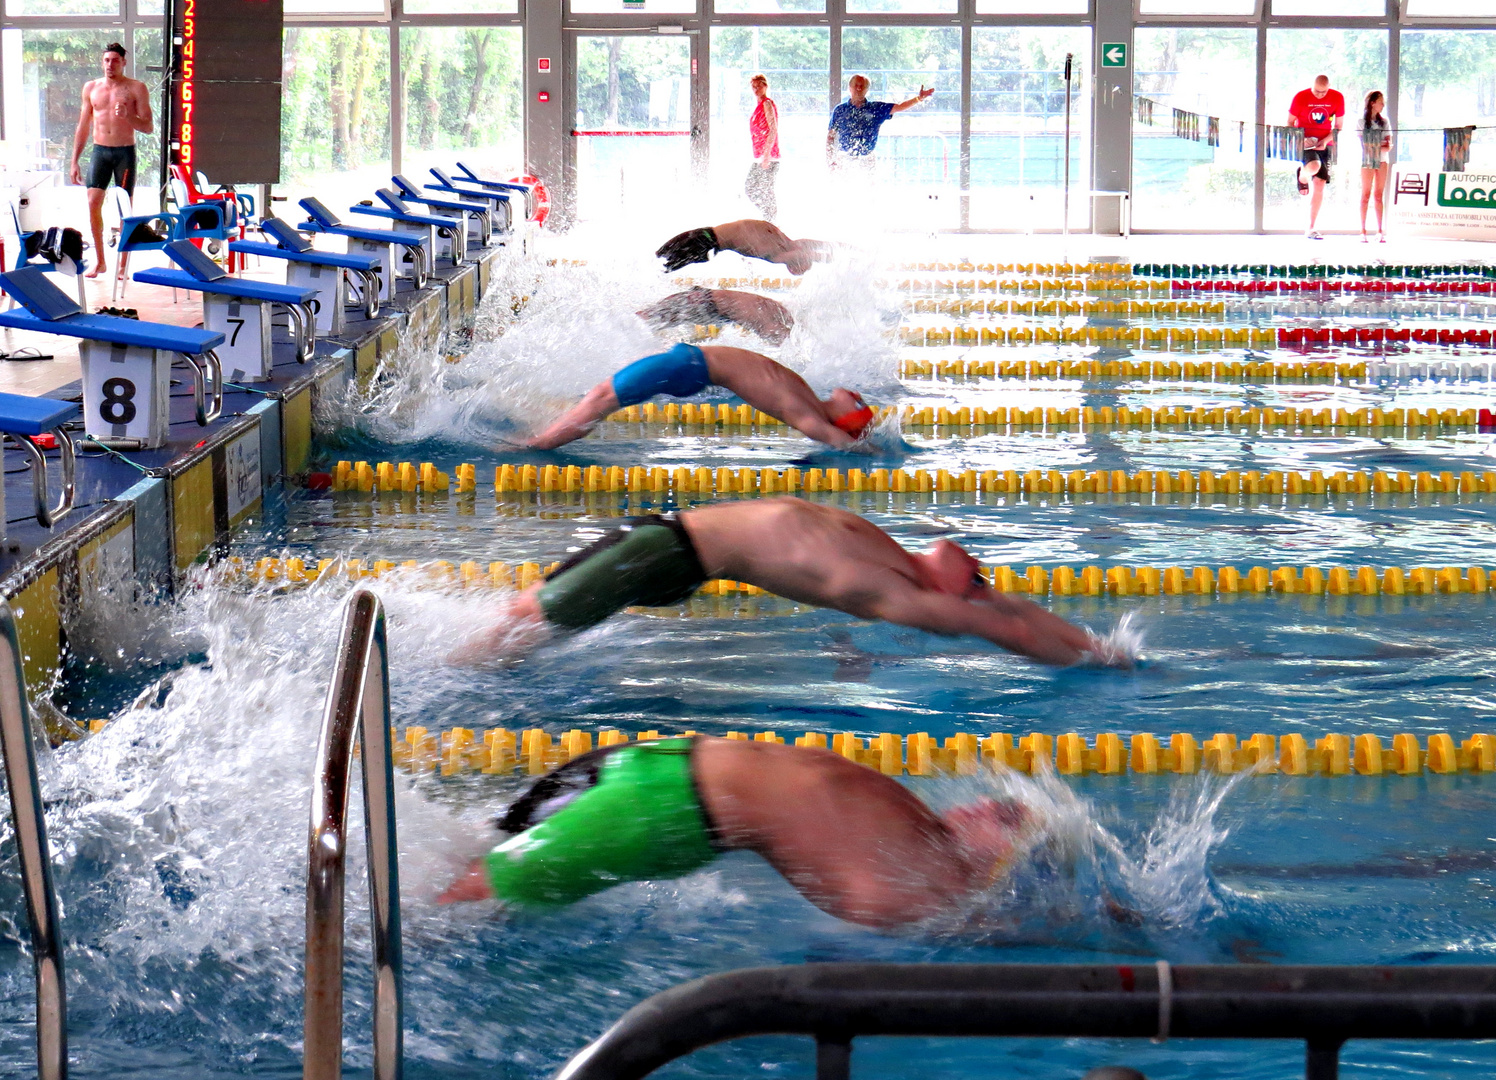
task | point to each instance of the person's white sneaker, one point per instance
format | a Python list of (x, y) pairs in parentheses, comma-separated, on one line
[(1313, 235)]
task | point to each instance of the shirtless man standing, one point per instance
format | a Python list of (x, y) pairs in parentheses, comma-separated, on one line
[(793, 548), (114, 109)]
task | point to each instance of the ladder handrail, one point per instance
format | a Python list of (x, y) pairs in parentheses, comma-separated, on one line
[(16, 741), (1324, 1005), (357, 702)]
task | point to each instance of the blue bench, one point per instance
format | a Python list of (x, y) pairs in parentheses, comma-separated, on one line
[(49, 310), (304, 268), (223, 300), (430, 225), (476, 212), (321, 219), (23, 419), (498, 201)]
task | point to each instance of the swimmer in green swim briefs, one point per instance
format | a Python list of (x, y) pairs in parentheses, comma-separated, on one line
[(796, 549), (685, 370), (876, 855)]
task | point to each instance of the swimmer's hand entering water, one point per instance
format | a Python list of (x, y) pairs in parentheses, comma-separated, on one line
[(1121, 648)]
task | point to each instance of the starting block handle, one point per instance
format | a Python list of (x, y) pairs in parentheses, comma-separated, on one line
[(46, 514), (204, 367), (302, 331)]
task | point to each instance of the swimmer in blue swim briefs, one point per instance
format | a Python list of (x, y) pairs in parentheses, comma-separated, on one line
[(686, 370), (875, 854), (793, 548)]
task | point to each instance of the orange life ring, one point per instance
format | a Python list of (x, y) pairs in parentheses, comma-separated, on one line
[(542, 197)]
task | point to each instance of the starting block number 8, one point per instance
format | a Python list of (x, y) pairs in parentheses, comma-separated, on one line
[(126, 392)]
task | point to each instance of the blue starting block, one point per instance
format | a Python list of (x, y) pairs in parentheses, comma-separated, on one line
[(24, 419), (126, 362), (239, 309), (480, 225), (381, 244), (498, 201), (324, 272), (528, 191), (445, 236)]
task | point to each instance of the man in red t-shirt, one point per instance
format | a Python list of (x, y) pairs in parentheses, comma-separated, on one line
[(763, 128), (1319, 111)]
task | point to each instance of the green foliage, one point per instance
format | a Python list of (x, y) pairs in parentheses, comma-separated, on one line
[(797, 61), (614, 75), (335, 100), (462, 87)]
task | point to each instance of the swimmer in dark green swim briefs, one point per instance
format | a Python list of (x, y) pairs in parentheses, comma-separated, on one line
[(793, 548), (685, 370), (876, 855)]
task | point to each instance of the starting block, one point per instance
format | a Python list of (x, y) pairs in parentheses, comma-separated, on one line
[(479, 224), (241, 310), (324, 273), (393, 250), (126, 362), (445, 236), (498, 201), (469, 176), (24, 419)]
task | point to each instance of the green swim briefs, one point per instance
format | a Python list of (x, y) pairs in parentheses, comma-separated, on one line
[(623, 813), (649, 561)]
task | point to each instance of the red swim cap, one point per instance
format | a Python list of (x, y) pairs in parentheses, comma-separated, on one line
[(857, 421)]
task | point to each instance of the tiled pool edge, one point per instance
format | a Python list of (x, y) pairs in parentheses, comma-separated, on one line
[(153, 530)]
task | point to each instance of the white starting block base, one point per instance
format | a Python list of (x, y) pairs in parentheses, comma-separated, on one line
[(331, 285), (384, 255), (126, 392), (245, 325), (440, 246)]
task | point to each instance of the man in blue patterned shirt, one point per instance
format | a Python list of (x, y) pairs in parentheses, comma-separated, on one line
[(853, 135)]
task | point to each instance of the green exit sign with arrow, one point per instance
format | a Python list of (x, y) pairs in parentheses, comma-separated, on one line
[(1114, 54)]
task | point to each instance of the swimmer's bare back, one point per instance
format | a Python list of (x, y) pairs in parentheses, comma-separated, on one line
[(764, 240), (857, 844), (767, 318), (833, 558), (770, 386)]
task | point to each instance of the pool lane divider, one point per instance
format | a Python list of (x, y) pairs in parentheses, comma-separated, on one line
[(1058, 581), (967, 420), (406, 478), (1359, 373), (1178, 338), (1469, 286), (532, 751)]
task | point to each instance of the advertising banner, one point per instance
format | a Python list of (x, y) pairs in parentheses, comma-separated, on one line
[(1453, 206)]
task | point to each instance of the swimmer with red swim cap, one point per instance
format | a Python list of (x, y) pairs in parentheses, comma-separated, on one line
[(840, 420)]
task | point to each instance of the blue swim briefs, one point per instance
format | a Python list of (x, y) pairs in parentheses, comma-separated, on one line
[(680, 372)]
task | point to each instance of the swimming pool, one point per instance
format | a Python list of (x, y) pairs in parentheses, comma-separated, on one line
[(180, 827)]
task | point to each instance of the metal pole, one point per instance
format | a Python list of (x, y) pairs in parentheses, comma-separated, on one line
[(358, 699), (36, 864), (1065, 224)]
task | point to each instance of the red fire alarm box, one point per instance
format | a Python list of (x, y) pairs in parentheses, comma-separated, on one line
[(544, 96), (543, 63)]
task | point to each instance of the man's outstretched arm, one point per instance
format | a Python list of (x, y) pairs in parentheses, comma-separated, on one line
[(915, 100), (1015, 624)]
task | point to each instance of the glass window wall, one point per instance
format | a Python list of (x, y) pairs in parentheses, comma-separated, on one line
[(1446, 78), (797, 62), (1179, 180), (1330, 7), (619, 7), (1199, 7), (1018, 127), (915, 172), (767, 7), (1033, 7), (335, 113), (1356, 62), (460, 98)]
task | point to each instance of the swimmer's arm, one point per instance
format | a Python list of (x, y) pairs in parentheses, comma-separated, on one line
[(1016, 625)]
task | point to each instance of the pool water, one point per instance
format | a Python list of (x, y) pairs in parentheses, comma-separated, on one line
[(180, 829)]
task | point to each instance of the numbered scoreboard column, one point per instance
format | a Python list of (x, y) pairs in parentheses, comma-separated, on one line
[(126, 393)]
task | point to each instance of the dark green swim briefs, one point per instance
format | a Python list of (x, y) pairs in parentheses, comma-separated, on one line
[(648, 562)]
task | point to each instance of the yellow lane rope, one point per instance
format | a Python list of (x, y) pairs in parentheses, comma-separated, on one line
[(1034, 580), (388, 478), (502, 752)]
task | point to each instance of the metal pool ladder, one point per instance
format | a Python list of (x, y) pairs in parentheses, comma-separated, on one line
[(357, 703), (35, 857)]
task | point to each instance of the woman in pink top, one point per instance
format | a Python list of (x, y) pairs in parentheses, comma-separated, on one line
[(763, 126)]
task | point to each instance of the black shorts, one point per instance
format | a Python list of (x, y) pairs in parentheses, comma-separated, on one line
[(115, 163), (1323, 157)]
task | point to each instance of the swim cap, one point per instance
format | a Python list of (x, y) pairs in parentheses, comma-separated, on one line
[(857, 421)]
